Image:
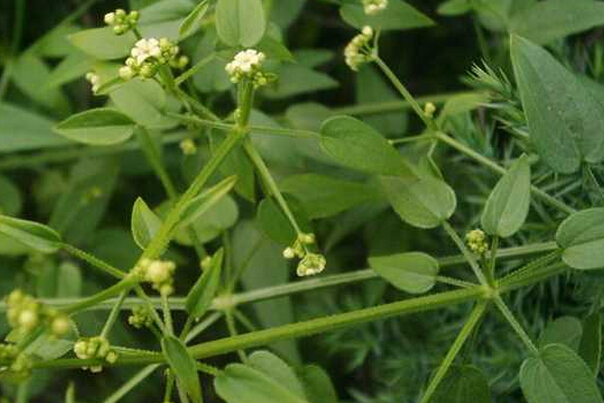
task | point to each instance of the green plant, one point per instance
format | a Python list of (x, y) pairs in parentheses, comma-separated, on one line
[(525, 189)]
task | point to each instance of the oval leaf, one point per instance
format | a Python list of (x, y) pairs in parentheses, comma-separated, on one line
[(205, 201), (413, 272), (423, 203), (201, 295), (590, 348), (581, 236), (36, 236), (508, 204), (101, 126), (183, 366), (558, 375), (358, 146), (102, 43), (240, 22), (144, 223), (317, 385), (398, 15), (566, 123), (566, 330)]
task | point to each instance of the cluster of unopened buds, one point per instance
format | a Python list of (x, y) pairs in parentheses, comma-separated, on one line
[(247, 64), (372, 7), (148, 55), (359, 49), (140, 317), (121, 21), (310, 263), (159, 273), (17, 363), (94, 80), (25, 313), (97, 348), (429, 109), (188, 147), (477, 241)]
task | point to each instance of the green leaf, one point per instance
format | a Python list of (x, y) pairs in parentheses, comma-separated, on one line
[(297, 79), (558, 375), (566, 330), (199, 299), (240, 22), (356, 145), (397, 16), (190, 24), (581, 236), (100, 126), (413, 272), (183, 366), (11, 200), (590, 347), (200, 205), (323, 196), (257, 383), (508, 204), (317, 385), (452, 8), (36, 236), (144, 102), (463, 384), (59, 281), (102, 43), (221, 215), (423, 203), (566, 123), (548, 20), (144, 223), (22, 130), (274, 223)]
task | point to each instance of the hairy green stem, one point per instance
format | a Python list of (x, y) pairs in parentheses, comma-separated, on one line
[(193, 69), (117, 288), (509, 316), (114, 313), (154, 159)]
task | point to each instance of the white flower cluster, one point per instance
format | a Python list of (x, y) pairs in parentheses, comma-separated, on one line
[(310, 263), (358, 50), (25, 313), (121, 21), (148, 54), (477, 241), (157, 272), (372, 7), (248, 64), (94, 80), (95, 348)]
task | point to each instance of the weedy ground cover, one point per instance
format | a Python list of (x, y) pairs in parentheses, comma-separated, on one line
[(257, 201)]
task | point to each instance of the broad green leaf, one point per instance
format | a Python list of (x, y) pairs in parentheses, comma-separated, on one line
[(277, 369), (566, 123), (100, 126), (284, 13), (452, 8), (36, 236), (54, 43), (240, 383), (590, 348), (548, 20), (275, 150), (324, 196), (581, 236), (30, 74), (200, 205), (558, 375), (102, 43), (317, 385), (566, 330), (144, 223), (22, 130), (240, 22), (397, 16), (144, 102), (356, 145), (163, 18), (236, 163), (463, 103), (413, 272), (508, 204), (203, 292), (297, 79), (190, 23), (221, 215), (463, 384), (73, 67), (10, 199), (423, 203), (183, 366), (274, 223)]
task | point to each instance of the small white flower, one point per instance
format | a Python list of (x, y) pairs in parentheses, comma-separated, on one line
[(311, 264), (109, 18), (144, 49), (289, 253), (126, 73), (358, 50), (372, 7), (245, 63), (94, 80)]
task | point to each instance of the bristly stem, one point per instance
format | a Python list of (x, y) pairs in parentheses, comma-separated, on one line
[(93, 261), (114, 314), (154, 159), (509, 316), (464, 333)]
